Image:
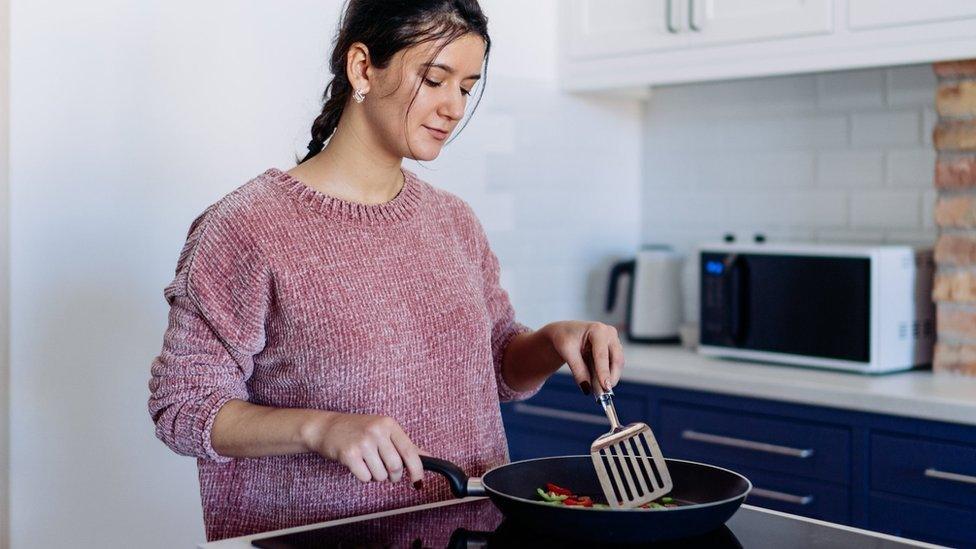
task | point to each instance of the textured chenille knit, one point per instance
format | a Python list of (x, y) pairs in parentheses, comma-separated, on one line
[(288, 297)]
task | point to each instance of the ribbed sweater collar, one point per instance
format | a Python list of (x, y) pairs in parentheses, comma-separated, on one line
[(400, 208)]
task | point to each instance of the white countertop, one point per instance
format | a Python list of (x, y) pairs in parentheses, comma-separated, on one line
[(918, 394)]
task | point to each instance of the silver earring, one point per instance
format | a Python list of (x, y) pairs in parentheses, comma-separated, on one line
[(359, 96)]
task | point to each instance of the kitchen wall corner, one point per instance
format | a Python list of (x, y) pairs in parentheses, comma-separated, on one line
[(4, 273)]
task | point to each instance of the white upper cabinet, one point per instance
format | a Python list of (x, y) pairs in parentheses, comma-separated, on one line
[(868, 14), (599, 28), (627, 45)]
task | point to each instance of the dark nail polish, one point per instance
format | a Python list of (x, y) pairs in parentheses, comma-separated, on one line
[(585, 387), (419, 485)]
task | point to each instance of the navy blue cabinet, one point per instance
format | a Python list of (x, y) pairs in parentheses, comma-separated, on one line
[(898, 475)]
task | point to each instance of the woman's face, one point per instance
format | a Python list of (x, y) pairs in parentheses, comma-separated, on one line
[(440, 102)]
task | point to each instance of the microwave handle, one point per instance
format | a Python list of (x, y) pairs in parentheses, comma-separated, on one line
[(736, 310)]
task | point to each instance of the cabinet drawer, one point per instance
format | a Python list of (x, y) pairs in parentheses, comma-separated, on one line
[(809, 498), (924, 468), (913, 519), (561, 408), (756, 441), (533, 443)]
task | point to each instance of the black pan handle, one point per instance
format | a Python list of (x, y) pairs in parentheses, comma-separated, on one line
[(461, 485)]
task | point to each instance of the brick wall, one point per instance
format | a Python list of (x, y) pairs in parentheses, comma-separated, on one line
[(954, 139)]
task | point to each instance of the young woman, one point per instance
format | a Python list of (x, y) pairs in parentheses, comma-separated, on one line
[(331, 323)]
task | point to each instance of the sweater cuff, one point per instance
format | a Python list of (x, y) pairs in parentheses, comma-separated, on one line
[(213, 405), (506, 393)]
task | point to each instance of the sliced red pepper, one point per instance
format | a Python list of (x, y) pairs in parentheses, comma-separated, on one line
[(558, 490), (571, 501)]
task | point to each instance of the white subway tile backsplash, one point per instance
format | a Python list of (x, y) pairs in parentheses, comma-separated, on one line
[(914, 238), (850, 236), (885, 209), (928, 208), (911, 85), (775, 95), (839, 157), (885, 128), (850, 169), (929, 119), (683, 208), (788, 208), (789, 132), (850, 89), (755, 169), (911, 167), (672, 169)]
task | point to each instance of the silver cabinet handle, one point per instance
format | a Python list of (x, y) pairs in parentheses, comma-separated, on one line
[(694, 12), (781, 496), (672, 16), (746, 444), (544, 411), (932, 472)]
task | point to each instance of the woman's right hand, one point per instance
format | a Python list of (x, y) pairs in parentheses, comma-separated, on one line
[(374, 448)]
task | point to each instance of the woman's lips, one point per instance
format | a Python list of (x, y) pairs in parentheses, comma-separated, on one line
[(438, 134)]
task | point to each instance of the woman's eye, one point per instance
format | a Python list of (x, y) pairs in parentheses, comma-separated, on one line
[(435, 84)]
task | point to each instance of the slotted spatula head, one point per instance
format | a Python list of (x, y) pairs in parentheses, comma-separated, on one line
[(628, 461)]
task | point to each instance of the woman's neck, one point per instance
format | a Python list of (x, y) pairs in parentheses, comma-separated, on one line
[(344, 171)]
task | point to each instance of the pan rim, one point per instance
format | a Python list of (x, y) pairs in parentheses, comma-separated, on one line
[(742, 495)]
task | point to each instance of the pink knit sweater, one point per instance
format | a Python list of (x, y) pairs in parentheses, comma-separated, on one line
[(288, 297)]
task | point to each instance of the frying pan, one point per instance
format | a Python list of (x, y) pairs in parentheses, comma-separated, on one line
[(707, 497)]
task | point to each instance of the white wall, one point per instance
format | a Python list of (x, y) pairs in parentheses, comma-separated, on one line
[(129, 118), (832, 157), (4, 272)]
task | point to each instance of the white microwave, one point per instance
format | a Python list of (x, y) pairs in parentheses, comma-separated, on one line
[(860, 308)]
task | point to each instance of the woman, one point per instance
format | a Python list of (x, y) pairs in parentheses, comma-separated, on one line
[(331, 323)]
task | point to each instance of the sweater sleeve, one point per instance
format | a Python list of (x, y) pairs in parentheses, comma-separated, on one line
[(503, 323), (218, 300)]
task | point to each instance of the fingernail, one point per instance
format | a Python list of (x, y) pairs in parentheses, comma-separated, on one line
[(585, 387), (419, 485)]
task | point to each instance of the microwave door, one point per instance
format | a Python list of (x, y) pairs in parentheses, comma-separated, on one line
[(800, 305)]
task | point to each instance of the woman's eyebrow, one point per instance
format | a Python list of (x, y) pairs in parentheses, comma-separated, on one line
[(450, 70)]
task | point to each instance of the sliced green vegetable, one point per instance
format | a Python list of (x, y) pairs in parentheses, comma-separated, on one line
[(549, 496), (667, 499)]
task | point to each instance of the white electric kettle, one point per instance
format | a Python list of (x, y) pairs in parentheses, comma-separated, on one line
[(654, 300)]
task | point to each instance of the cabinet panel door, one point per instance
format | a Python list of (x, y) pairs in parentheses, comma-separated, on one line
[(869, 14), (723, 21), (598, 28), (914, 519)]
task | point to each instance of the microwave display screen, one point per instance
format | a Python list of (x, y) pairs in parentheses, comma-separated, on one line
[(794, 304)]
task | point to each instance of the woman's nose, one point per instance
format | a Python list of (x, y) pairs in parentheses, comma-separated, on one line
[(453, 106)]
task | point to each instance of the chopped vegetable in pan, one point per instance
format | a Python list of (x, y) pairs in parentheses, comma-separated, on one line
[(563, 497)]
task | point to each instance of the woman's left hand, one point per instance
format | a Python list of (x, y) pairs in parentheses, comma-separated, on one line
[(592, 350)]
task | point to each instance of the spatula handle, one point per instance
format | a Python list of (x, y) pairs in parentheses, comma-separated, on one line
[(605, 398)]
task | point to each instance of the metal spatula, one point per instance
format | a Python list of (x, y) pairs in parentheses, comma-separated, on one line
[(628, 461)]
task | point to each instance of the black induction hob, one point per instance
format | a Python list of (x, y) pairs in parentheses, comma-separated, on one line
[(477, 523)]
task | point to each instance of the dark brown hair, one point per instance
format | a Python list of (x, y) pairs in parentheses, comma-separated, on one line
[(386, 27)]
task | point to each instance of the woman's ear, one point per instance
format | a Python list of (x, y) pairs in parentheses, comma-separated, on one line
[(357, 66)]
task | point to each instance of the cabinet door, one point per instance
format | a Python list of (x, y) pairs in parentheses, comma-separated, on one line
[(601, 28), (597, 28), (870, 14), (723, 21)]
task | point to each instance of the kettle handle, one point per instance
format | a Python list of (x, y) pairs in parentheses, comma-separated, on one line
[(619, 268)]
